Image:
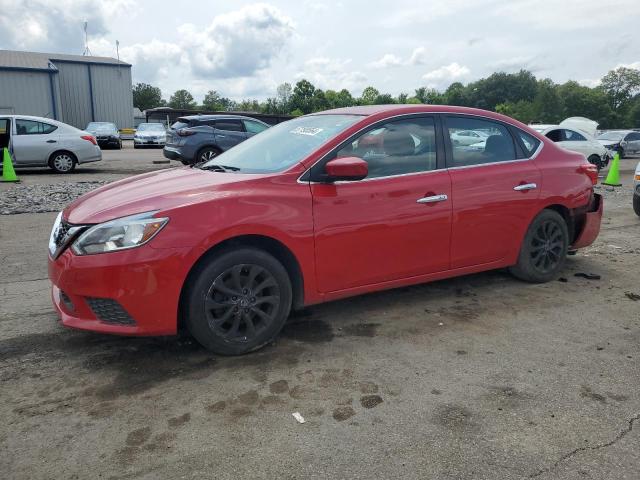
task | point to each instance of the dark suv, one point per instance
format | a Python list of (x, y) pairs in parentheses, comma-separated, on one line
[(199, 138)]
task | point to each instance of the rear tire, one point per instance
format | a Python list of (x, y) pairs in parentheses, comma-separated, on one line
[(238, 301), (62, 162), (636, 204), (206, 154), (597, 161), (544, 249)]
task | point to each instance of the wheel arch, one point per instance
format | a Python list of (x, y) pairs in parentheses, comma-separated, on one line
[(568, 216), (62, 150), (262, 242), (211, 146)]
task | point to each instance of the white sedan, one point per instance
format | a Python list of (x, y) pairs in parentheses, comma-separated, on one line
[(42, 142), (468, 137), (579, 141)]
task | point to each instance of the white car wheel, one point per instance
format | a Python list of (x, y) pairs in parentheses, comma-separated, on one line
[(62, 163)]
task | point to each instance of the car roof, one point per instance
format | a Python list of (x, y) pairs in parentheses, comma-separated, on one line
[(394, 109), (32, 117), (218, 117)]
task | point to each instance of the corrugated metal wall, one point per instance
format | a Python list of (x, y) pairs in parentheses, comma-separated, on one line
[(113, 98), (29, 93), (26, 93), (74, 94)]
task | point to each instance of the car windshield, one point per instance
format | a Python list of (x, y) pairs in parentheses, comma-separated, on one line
[(611, 136), (283, 145), (147, 127)]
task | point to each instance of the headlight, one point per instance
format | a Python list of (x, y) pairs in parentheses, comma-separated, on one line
[(120, 234)]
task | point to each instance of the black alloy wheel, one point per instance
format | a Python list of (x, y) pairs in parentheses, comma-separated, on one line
[(237, 300), (544, 248), (242, 302)]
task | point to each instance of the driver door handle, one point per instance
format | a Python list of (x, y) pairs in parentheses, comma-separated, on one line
[(433, 199), (525, 186), (51, 141)]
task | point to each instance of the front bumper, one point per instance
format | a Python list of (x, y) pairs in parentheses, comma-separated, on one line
[(108, 142), (591, 224), (148, 141), (143, 283)]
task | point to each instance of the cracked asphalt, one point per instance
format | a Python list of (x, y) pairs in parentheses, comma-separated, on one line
[(479, 377)]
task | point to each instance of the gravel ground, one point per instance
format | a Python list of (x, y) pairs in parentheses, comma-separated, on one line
[(41, 198), (478, 377)]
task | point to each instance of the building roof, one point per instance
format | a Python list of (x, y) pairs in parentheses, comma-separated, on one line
[(44, 61)]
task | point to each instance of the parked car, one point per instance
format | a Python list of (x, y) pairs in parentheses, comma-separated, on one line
[(468, 137), (621, 141), (321, 207), (106, 134), (200, 138), (42, 142), (150, 134), (577, 134), (581, 142), (636, 191)]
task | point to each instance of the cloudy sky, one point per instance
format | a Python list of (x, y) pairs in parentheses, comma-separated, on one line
[(245, 49)]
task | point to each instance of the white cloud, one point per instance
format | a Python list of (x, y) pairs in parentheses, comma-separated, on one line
[(58, 24), (386, 61), (334, 74), (419, 56), (634, 65), (238, 43), (446, 74)]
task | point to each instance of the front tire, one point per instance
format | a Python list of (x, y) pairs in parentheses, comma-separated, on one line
[(597, 161), (62, 162), (238, 301), (544, 249), (636, 204)]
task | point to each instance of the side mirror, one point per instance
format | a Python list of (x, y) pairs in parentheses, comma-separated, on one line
[(346, 168)]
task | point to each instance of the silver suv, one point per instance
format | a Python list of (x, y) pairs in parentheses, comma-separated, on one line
[(199, 138)]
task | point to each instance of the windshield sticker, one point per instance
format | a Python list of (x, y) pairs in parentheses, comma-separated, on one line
[(307, 131)]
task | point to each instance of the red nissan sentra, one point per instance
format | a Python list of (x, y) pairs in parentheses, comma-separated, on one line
[(322, 207)]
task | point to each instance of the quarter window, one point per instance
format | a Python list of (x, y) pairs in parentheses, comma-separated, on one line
[(529, 142), (396, 148), (229, 125), (496, 145), (30, 127), (254, 127)]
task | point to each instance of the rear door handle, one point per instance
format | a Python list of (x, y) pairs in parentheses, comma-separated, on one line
[(525, 186), (433, 199), (52, 141)]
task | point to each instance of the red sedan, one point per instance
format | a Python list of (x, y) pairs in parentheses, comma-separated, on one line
[(322, 207)]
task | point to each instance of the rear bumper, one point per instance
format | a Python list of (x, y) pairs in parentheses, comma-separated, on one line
[(172, 153), (591, 225)]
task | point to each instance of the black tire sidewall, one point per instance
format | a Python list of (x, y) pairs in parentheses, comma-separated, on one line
[(200, 282), (636, 204), (524, 269), (206, 149)]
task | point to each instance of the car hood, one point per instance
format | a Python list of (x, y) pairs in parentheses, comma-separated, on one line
[(607, 142), (160, 190)]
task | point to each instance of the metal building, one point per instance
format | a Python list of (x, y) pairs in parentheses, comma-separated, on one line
[(74, 89)]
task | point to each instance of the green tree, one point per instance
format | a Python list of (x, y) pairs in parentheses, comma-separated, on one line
[(319, 101), (146, 96), (384, 99), (283, 97), (213, 102), (582, 101), (547, 104), (302, 97), (620, 85), (182, 99), (369, 96)]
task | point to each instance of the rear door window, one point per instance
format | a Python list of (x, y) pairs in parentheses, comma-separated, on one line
[(229, 125), (555, 135), (498, 146), (529, 142), (31, 127)]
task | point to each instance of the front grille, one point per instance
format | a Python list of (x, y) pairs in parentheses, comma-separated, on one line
[(110, 311)]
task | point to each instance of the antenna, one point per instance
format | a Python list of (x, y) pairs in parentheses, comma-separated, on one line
[(86, 40)]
